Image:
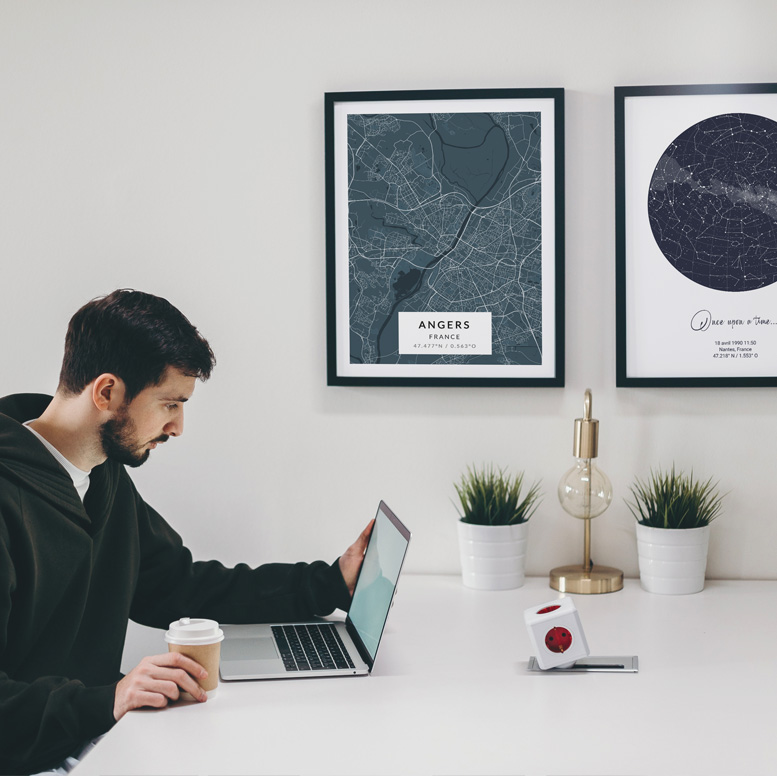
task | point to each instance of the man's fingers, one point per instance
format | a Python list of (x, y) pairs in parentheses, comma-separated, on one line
[(178, 660), (171, 682), (351, 560), (365, 536), (171, 689), (152, 699)]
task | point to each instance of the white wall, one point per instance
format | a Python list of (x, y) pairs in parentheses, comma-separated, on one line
[(177, 147)]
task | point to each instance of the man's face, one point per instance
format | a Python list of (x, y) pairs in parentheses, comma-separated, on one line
[(151, 418)]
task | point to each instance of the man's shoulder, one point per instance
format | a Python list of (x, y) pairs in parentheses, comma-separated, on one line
[(21, 407), (19, 449), (27, 468), (17, 444)]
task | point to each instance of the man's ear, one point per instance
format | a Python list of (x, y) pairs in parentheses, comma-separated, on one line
[(108, 392)]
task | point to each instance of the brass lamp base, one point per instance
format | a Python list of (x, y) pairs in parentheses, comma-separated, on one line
[(579, 579)]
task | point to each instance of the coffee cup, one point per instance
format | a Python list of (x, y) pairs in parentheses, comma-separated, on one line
[(201, 641)]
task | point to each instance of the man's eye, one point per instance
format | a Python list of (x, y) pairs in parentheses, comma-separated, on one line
[(172, 407)]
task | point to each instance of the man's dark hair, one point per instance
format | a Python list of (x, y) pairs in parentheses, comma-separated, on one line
[(135, 336)]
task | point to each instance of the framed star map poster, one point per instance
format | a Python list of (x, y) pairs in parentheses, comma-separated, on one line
[(696, 235), (445, 237)]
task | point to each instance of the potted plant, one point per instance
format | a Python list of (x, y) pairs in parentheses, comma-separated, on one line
[(493, 527), (673, 513)]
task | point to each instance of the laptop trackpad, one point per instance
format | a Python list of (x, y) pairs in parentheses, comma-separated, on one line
[(256, 648)]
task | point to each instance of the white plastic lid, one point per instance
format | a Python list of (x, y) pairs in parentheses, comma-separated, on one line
[(190, 631)]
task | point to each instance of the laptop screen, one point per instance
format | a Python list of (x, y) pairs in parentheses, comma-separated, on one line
[(378, 578)]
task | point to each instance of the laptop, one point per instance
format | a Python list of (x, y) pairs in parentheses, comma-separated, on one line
[(320, 647)]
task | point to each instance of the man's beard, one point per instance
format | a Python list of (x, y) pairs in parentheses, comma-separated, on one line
[(120, 443)]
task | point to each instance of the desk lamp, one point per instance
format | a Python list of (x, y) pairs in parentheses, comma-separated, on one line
[(585, 492)]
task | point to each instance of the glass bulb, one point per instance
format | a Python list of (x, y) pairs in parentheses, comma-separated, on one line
[(585, 490)]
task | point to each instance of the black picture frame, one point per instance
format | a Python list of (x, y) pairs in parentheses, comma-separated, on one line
[(394, 231), (696, 235)]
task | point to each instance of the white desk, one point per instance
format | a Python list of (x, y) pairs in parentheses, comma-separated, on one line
[(451, 695)]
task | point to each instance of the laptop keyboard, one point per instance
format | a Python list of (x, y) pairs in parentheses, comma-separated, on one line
[(311, 647)]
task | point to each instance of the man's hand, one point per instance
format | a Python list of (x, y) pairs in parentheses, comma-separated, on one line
[(156, 681), (351, 559)]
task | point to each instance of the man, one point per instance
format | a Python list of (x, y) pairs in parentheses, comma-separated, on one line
[(81, 552)]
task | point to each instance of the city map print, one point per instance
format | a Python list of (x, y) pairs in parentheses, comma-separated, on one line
[(712, 202), (444, 216)]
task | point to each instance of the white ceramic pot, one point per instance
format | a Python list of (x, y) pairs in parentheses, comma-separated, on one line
[(672, 560), (493, 557)]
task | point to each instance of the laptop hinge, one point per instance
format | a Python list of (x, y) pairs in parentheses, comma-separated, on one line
[(358, 643)]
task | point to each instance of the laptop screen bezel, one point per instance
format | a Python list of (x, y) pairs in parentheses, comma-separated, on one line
[(350, 627)]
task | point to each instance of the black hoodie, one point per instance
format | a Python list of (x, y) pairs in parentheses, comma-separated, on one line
[(73, 573)]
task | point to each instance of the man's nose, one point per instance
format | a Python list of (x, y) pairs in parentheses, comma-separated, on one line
[(174, 427)]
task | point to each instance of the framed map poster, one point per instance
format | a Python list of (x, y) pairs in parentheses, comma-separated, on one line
[(445, 237), (696, 235)]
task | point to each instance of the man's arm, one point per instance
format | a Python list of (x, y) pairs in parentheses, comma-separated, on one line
[(171, 585), (42, 720)]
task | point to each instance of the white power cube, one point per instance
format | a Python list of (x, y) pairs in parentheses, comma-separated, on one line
[(556, 633)]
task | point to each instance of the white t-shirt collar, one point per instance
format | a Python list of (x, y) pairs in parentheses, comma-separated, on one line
[(79, 476)]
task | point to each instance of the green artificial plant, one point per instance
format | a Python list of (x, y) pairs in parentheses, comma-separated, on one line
[(674, 500), (489, 496)]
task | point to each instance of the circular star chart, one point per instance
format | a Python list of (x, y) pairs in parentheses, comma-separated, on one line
[(712, 202)]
